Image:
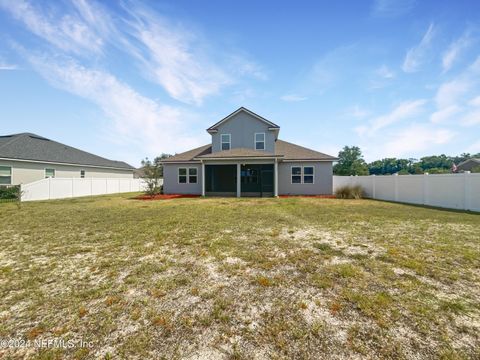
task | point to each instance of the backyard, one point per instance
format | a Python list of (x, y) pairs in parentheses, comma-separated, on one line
[(218, 278)]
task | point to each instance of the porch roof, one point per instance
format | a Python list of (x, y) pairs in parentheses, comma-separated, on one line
[(240, 153), (283, 150)]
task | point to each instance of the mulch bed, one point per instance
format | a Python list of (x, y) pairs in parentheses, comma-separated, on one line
[(182, 196), (309, 196), (165, 196)]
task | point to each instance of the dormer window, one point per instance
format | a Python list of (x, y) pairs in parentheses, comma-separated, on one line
[(226, 140), (259, 141)]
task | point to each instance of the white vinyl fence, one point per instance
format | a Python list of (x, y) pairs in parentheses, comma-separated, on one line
[(454, 191), (62, 188)]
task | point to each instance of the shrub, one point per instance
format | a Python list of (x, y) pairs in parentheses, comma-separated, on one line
[(9, 193), (349, 192)]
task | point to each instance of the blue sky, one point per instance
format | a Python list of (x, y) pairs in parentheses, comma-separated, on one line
[(127, 80)]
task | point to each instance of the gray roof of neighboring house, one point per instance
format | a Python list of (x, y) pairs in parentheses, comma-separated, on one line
[(27, 146), (467, 163), (283, 150)]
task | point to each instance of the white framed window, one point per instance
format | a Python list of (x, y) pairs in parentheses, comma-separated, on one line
[(259, 141), (192, 175), (187, 175), (302, 174), (182, 175), (225, 141), (308, 173), (49, 173), (5, 175), (82, 174), (296, 174)]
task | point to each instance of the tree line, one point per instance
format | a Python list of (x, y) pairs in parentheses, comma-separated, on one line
[(351, 162)]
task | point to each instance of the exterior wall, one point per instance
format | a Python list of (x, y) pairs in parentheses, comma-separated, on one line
[(26, 172), (170, 180), (242, 128), (322, 180)]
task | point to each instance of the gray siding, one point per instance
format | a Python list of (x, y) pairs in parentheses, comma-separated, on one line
[(242, 128), (24, 172), (170, 180), (322, 179)]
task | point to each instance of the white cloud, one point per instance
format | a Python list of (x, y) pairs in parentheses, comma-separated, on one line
[(293, 98), (414, 139), (392, 8), (357, 112), (444, 114), (7, 66), (405, 110), (474, 148), (416, 56), (450, 92), (174, 58), (475, 101), (471, 118), (68, 32), (135, 119), (384, 72), (455, 49)]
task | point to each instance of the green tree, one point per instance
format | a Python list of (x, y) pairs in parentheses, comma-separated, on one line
[(152, 173), (350, 162)]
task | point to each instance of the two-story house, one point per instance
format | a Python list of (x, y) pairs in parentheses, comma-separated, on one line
[(246, 158)]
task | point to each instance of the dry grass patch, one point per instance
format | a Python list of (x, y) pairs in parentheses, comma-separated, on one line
[(240, 279)]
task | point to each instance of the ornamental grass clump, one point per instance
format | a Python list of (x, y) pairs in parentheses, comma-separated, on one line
[(349, 192)]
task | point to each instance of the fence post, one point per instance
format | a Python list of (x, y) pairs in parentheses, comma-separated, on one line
[(466, 203), (73, 195), (395, 179), (425, 188), (91, 186), (373, 187), (49, 187)]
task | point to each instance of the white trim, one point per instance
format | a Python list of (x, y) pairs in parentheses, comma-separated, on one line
[(180, 162), (243, 159), (300, 160), (275, 178), (11, 174), (302, 174), (187, 175), (203, 178), (45, 173), (255, 141), (69, 164), (239, 180), (229, 142)]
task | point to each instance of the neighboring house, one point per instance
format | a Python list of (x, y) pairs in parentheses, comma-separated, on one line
[(26, 157), (246, 158), (468, 165)]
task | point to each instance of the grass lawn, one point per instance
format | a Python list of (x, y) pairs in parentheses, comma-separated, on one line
[(239, 279)]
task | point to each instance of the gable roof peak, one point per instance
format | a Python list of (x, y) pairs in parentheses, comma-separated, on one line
[(271, 125)]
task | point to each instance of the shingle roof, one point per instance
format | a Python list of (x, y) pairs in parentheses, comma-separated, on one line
[(283, 150), (27, 146), (190, 154), (238, 153), (295, 152)]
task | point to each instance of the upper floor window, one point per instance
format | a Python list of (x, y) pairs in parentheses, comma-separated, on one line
[(49, 173), (82, 174), (226, 140), (259, 141), (5, 175)]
